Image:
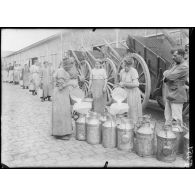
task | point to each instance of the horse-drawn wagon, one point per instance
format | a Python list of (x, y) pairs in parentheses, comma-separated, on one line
[(151, 56)]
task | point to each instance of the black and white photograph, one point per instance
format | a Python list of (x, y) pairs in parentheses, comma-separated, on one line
[(95, 97)]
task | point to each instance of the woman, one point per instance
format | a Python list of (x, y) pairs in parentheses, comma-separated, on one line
[(129, 80), (46, 81), (26, 75), (35, 71), (61, 109), (11, 73), (97, 86), (16, 74)]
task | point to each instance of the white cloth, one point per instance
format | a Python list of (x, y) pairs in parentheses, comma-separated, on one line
[(173, 111), (98, 73)]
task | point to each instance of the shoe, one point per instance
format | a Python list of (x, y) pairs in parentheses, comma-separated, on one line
[(49, 98)]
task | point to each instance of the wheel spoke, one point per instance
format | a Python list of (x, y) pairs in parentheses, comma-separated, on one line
[(141, 75), (142, 84)]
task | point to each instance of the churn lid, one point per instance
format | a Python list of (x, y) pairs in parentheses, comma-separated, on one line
[(119, 94), (82, 107), (147, 130), (166, 133), (77, 94), (126, 124)]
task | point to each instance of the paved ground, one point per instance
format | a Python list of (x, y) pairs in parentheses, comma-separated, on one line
[(27, 141)]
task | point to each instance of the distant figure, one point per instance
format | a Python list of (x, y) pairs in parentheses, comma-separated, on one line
[(46, 81), (97, 86), (129, 80), (176, 94), (25, 75), (35, 72), (16, 74), (11, 73)]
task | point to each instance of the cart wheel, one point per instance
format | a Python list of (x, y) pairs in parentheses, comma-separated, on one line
[(144, 78), (161, 101), (84, 71), (111, 77)]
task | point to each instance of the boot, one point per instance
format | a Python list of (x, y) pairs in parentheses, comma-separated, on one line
[(49, 98), (42, 99)]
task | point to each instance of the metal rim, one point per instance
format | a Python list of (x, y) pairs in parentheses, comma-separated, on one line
[(84, 71), (144, 78), (111, 78)]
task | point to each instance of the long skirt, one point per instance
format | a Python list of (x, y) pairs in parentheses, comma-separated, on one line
[(36, 81), (11, 76), (26, 79), (134, 102), (47, 89), (99, 98), (16, 76), (61, 112)]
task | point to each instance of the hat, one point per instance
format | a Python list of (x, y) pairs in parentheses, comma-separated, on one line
[(129, 60), (68, 62)]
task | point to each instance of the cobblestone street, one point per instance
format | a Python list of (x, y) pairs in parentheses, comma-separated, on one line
[(27, 141)]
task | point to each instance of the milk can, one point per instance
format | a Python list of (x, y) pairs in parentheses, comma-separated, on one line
[(179, 132), (93, 129), (144, 140), (109, 133), (102, 119), (81, 127), (119, 118), (125, 132), (166, 145), (186, 147)]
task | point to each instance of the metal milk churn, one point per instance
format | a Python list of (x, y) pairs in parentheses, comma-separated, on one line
[(144, 140), (166, 145), (109, 133), (102, 119), (125, 135), (81, 127), (93, 129), (186, 147), (179, 132)]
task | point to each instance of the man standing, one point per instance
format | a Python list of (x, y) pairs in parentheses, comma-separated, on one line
[(176, 94), (46, 81)]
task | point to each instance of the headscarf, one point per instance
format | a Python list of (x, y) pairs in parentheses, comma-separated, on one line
[(128, 60)]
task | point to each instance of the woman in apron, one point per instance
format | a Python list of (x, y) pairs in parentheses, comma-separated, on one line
[(97, 86), (11, 73), (61, 109), (129, 80), (26, 75), (46, 81)]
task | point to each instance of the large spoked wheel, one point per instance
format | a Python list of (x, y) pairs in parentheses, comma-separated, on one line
[(161, 101), (144, 78), (111, 78), (84, 71)]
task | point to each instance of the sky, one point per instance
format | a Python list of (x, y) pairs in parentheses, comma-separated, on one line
[(16, 39)]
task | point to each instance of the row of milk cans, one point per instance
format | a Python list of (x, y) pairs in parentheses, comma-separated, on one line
[(119, 131)]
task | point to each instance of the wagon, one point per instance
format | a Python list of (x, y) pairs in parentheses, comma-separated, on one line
[(151, 55)]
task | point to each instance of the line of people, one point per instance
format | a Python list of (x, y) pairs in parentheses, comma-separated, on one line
[(59, 83), (37, 78)]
